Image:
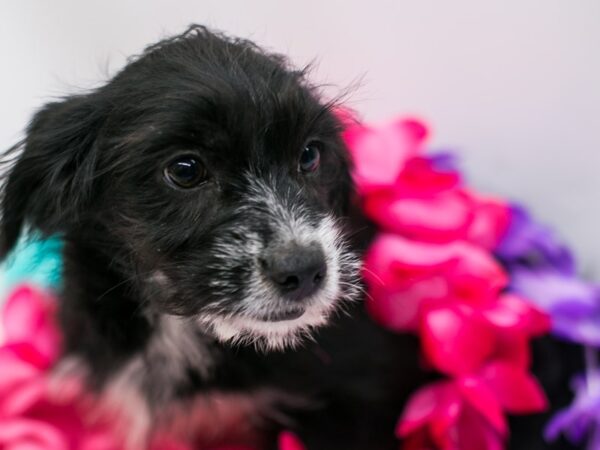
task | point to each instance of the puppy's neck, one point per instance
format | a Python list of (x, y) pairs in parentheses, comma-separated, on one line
[(107, 325)]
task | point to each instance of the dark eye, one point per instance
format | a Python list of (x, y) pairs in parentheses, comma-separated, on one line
[(186, 172), (310, 157)]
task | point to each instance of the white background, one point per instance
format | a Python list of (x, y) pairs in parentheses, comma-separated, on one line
[(513, 84)]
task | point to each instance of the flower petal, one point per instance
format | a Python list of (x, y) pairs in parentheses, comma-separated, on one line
[(424, 176), (491, 218), (31, 434), (482, 399), (419, 409), (446, 417), (517, 390), (512, 313), (391, 257), (550, 290), (23, 397), (455, 340), (526, 239), (380, 153), (440, 218), (513, 348), (398, 309), (14, 370), (474, 433), (289, 441), (476, 276)]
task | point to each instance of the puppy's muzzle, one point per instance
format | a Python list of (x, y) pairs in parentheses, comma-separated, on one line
[(297, 271)]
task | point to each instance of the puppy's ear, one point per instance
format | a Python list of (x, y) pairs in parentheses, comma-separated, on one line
[(51, 179)]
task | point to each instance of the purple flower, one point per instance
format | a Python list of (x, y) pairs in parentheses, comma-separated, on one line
[(573, 304), (582, 416), (529, 243), (444, 161), (542, 270)]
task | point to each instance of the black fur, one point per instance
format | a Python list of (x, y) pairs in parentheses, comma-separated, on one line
[(91, 170)]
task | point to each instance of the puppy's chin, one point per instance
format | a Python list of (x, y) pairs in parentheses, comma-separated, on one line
[(277, 332)]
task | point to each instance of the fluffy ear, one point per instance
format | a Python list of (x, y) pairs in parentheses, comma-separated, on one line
[(51, 179)]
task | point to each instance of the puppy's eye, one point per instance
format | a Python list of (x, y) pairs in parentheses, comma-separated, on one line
[(186, 172), (310, 157)]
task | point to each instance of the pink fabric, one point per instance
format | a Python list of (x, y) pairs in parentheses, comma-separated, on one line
[(39, 414), (34, 415)]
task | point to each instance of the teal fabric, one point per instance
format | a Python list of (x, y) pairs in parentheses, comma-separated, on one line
[(35, 260)]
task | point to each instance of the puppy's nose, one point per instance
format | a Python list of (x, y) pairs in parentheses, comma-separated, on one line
[(297, 271)]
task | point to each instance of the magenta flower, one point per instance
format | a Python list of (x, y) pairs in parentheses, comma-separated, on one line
[(467, 413), (289, 441), (379, 154), (419, 197), (403, 274)]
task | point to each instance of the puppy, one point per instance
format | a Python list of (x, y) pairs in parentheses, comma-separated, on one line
[(204, 197)]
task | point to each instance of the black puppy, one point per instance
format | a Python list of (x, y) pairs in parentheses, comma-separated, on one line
[(204, 197)]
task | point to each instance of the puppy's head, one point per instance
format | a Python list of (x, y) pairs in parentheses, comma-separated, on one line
[(210, 175)]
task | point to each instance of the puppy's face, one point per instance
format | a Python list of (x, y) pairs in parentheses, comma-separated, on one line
[(212, 177)]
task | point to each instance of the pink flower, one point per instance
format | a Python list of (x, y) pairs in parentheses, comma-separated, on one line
[(380, 154), (467, 413), (441, 215), (32, 414), (415, 196), (403, 275), (459, 338), (289, 441), (440, 416), (450, 294)]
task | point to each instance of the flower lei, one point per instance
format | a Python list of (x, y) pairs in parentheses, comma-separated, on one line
[(431, 271), (474, 277)]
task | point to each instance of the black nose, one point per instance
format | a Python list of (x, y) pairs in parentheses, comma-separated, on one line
[(297, 271)]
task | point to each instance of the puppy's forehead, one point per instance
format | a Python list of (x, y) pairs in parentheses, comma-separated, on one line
[(235, 127), (229, 100), (261, 112)]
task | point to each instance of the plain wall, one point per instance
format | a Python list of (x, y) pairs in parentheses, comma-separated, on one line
[(514, 85)]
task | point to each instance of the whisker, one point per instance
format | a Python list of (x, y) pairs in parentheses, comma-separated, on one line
[(377, 277)]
